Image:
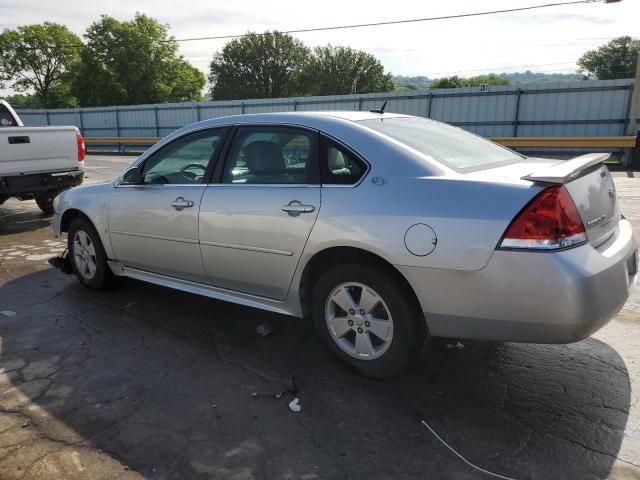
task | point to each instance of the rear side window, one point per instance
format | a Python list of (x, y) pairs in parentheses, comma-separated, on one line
[(339, 166), (270, 155), (6, 119)]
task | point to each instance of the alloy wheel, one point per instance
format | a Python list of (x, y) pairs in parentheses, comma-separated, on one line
[(84, 255), (359, 321)]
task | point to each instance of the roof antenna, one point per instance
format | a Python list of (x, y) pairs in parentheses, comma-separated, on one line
[(381, 109)]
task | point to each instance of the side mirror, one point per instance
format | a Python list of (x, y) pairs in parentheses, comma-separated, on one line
[(133, 176)]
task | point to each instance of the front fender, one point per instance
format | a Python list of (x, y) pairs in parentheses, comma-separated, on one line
[(91, 201)]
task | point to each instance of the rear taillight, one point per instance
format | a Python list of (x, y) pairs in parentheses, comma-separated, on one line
[(550, 221), (82, 151)]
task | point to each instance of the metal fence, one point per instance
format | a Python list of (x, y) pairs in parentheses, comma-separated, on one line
[(586, 108)]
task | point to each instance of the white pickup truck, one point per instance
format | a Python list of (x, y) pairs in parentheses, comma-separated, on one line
[(37, 162)]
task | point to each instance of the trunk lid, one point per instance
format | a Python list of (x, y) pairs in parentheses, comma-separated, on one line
[(594, 194), (587, 180)]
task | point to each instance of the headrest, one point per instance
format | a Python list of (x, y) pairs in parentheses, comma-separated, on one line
[(336, 159), (264, 158)]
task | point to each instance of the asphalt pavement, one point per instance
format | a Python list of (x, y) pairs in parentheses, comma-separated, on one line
[(147, 382)]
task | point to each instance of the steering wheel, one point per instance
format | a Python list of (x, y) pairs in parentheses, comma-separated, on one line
[(192, 176)]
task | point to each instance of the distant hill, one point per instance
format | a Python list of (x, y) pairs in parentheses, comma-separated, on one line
[(533, 77), (518, 78), (411, 82)]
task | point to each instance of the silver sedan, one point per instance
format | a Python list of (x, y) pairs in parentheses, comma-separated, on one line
[(382, 228)]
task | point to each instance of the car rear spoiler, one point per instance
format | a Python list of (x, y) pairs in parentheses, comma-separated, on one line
[(567, 170)]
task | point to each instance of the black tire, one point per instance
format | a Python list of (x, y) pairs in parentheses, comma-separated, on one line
[(409, 326), (45, 201), (103, 276)]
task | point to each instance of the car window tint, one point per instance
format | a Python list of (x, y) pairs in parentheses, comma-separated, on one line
[(339, 166), (6, 119), (185, 160), (269, 155)]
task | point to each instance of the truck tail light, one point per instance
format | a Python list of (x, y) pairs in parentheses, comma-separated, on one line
[(82, 150), (550, 221)]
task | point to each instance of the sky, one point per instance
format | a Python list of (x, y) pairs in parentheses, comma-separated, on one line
[(545, 40)]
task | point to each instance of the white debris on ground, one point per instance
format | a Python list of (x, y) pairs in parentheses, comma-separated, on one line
[(295, 406), (264, 329)]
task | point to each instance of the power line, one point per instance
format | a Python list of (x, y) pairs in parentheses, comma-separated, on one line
[(376, 24), (502, 45), (396, 22)]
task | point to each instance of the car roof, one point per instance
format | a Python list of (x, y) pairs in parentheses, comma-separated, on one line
[(312, 117), (353, 115)]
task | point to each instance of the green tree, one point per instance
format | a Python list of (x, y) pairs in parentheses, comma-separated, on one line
[(342, 70), (447, 82), (134, 62), (23, 101), (257, 66), (616, 59), (405, 88), (40, 59), (457, 82)]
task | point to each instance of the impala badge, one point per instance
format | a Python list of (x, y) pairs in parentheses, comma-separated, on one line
[(596, 221)]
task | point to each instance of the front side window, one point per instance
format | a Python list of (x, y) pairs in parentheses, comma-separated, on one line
[(185, 160), (449, 145), (270, 155)]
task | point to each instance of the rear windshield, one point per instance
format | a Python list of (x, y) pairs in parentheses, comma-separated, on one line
[(452, 146), (6, 119)]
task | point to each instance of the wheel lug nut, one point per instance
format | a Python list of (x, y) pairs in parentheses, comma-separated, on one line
[(367, 324), (352, 312), (350, 322), (362, 312), (359, 330)]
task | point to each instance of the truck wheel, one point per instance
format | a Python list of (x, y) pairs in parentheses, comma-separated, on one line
[(367, 319), (88, 260), (45, 201)]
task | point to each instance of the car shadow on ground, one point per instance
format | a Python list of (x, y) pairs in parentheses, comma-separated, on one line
[(164, 382), (16, 217)]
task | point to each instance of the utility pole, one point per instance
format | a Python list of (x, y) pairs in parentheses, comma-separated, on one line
[(632, 127)]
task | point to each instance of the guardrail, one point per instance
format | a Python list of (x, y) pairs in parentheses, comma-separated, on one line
[(517, 142)]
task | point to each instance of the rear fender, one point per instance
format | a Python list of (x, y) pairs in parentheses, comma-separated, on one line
[(468, 217)]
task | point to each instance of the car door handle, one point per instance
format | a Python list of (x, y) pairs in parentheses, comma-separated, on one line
[(295, 208), (180, 203), (19, 140)]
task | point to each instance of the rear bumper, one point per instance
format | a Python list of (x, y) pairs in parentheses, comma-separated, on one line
[(30, 185), (538, 297)]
